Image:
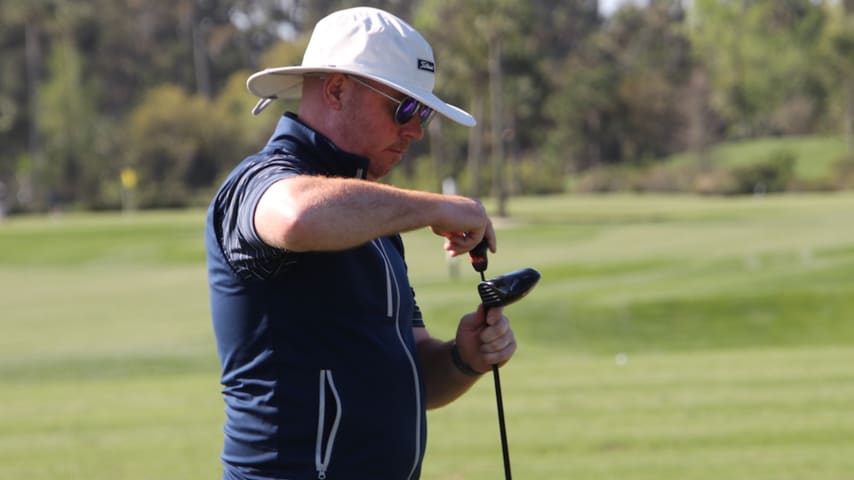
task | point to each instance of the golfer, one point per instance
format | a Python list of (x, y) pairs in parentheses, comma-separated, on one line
[(327, 365)]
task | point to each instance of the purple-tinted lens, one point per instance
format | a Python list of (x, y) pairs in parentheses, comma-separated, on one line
[(408, 108), (425, 115)]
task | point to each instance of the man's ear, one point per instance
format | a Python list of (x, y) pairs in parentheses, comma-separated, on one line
[(333, 88)]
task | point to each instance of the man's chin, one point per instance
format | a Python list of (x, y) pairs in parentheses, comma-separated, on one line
[(374, 177)]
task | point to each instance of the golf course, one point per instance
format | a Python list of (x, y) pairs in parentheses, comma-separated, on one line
[(670, 338)]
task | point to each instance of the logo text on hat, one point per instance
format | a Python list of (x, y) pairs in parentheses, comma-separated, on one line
[(426, 65)]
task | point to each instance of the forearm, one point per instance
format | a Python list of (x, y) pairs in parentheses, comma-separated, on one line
[(443, 381), (317, 213)]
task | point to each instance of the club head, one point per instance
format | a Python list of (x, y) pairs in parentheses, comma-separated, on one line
[(508, 288)]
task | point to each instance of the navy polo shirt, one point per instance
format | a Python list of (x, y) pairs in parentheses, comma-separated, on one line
[(319, 369)]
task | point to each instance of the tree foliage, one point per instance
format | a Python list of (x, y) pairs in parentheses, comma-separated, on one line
[(70, 127), (619, 97), (761, 55), (90, 87)]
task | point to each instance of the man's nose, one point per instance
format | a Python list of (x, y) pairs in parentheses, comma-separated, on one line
[(412, 129)]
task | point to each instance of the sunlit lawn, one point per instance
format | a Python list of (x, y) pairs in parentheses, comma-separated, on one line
[(670, 338)]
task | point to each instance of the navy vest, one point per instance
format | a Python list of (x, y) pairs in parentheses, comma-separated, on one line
[(319, 367)]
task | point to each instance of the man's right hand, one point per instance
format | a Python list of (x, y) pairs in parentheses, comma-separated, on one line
[(463, 224)]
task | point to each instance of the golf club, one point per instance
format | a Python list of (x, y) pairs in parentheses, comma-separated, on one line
[(499, 292), (508, 288)]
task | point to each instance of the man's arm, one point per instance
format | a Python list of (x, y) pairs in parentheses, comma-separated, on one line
[(310, 213), (482, 340)]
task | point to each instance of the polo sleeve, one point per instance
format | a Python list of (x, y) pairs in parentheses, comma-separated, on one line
[(247, 254)]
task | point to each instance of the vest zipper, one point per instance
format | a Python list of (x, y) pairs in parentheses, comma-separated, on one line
[(322, 456), (392, 284)]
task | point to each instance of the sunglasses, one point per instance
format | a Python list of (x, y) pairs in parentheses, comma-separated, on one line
[(406, 108)]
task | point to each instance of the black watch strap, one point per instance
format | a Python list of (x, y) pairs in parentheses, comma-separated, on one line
[(461, 364)]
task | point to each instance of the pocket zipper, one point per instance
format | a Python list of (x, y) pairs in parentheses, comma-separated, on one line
[(322, 456)]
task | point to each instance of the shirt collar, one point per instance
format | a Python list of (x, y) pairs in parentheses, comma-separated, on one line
[(331, 160)]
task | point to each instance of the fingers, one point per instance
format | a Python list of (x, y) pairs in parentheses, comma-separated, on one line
[(498, 342), (490, 237), (464, 223), (471, 324), (485, 338), (497, 325), (460, 243)]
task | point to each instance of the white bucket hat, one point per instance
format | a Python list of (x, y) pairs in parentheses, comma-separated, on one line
[(369, 43)]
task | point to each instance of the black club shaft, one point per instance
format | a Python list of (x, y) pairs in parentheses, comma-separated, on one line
[(505, 448), (480, 262)]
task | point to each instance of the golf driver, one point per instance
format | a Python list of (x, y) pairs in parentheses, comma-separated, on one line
[(499, 292)]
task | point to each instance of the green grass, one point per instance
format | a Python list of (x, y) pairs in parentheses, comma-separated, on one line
[(670, 338), (815, 155)]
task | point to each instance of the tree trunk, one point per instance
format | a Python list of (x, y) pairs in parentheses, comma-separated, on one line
[(195, 30), (849, 114), (34, 190), (475, 150), (437, 152), (200, 62), (496, 89), (848, 5), (697, 111)]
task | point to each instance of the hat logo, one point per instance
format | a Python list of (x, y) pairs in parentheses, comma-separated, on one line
[(426, 65)]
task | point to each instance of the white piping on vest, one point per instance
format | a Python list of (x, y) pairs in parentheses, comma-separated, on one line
[(417, 386), (321, 458)]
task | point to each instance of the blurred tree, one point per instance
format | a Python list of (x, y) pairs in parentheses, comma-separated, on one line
[(567, 90), (117, 51), (847, 49), (68, 119), (618, 98), (534, 38), (314, 10), (839, 44), (180, 144), (702, 124), (233, 105), (761, 55), (137, 44), (462, 75), (26, 26)]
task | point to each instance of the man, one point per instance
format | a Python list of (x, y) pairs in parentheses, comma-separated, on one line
[(327, 365)]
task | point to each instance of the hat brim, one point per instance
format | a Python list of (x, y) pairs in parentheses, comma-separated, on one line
[(286, 82)]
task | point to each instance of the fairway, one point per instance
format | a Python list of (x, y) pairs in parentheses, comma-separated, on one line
[(669, 338)]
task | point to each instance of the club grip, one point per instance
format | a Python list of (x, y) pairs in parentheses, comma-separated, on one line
[(478, 257)]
